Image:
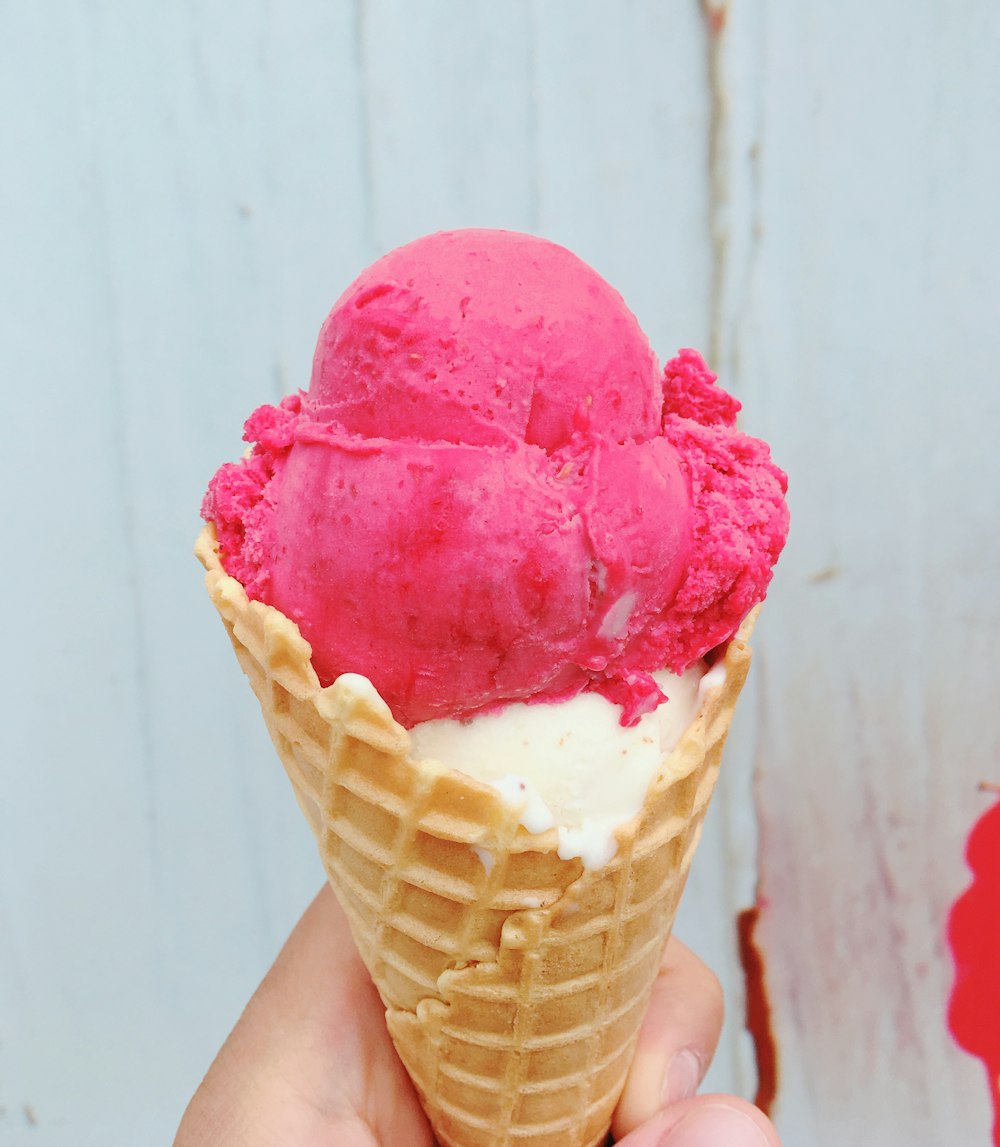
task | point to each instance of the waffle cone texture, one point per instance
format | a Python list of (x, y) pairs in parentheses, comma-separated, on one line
[(514, 981)]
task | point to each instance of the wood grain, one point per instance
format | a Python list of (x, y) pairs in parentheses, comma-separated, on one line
[(808, 190), (866, 345)]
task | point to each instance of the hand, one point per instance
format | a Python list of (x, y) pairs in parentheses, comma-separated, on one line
[(310, 1063)]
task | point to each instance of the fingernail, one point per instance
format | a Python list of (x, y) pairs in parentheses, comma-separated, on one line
[(682, 1077), (715, 1125)]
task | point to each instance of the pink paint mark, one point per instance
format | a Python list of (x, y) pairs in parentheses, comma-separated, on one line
[(974, 935)]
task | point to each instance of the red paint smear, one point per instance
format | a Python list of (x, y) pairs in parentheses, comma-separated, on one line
[(758, 1013), (974, 935)]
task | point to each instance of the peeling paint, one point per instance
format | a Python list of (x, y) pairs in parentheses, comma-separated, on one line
[(716, 13), (367, 124), (758, 1019)]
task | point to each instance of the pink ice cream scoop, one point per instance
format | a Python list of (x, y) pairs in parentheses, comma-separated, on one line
[(491, 492)]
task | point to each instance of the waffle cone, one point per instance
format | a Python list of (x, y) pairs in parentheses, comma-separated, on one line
[(514, 981)]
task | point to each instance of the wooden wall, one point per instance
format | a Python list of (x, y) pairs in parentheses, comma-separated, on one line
[(806, 191)]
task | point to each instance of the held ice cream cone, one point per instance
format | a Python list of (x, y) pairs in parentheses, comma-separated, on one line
[(514, 981), (493, 504)]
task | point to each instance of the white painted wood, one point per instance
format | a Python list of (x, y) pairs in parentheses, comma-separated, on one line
[(167, 225), (864, 333), (185, 193)]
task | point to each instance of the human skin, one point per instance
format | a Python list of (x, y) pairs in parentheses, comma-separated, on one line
[(310, 1063)]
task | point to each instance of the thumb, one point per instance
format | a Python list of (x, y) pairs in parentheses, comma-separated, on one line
[(708, 1121)]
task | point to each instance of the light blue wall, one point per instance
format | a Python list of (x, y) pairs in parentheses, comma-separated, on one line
[(809, 193)]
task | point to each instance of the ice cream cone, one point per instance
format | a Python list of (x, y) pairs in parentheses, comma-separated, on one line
[(514, 981)]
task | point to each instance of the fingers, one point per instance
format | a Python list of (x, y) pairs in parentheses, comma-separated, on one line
[(309, 1054), (708, 1121), (310, 1061), (677, 1039), (676, 1045)]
